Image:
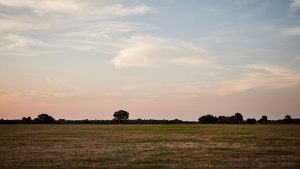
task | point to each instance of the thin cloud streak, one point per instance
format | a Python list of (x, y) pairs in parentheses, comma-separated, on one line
[(294, 31), (295, 60), (260, 76), (14, 42)]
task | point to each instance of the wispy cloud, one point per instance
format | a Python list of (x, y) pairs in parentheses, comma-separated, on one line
[(259, 76), (295, 4), (68, 25), (121, 10), (77, 7), (44, 6), (14, 42), (23, 93), (30, 15), (295, 60), (51, 88), (294, 31), (145, 51), (106, 33)]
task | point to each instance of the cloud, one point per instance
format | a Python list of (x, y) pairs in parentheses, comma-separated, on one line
[(52, 14), (47, 88), (73, 7), (145, 51), (295, 60), (44, 6), (295, 4), (261, 75), (13, 24), (255, 76), (251, 77), (54, 93), (14, 42), (121, 10), (68, 25), (295, 31)]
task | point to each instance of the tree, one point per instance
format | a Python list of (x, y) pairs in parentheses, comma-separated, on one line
[(288, 119), (222, 119), (175, 121), (238, 117), (121, 116), (45, 119), (61, 121), (251, 121), (26, 120), (208, 119), (263, 119)]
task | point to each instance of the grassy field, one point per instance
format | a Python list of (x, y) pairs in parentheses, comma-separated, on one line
[(150, 146)]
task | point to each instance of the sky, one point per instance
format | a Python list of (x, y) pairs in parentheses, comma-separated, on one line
[(158, 59)]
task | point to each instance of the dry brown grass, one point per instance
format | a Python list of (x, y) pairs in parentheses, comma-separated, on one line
[(150, 146)]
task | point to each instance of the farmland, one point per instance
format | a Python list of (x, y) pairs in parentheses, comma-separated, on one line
[(150, 146)]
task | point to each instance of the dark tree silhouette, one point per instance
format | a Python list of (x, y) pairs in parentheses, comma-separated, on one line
[(175, 121), (238, 117), (45, 119), (251, 121), (121, 116), (288, 119), (26, 119), (264, 119), (221, 119), (208, 119), (61, 121)]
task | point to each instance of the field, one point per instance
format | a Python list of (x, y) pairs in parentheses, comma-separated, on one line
[(150, 146)]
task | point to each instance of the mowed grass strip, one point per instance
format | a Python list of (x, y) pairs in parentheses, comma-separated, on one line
[(149, 146)]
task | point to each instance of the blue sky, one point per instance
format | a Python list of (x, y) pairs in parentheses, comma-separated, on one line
[(157, 59)]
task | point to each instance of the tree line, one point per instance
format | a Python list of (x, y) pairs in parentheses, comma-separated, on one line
[(237, 118), (122, 117)]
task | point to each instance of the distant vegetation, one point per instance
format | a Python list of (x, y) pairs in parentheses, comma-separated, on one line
[(122, 117), (237, 118)]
